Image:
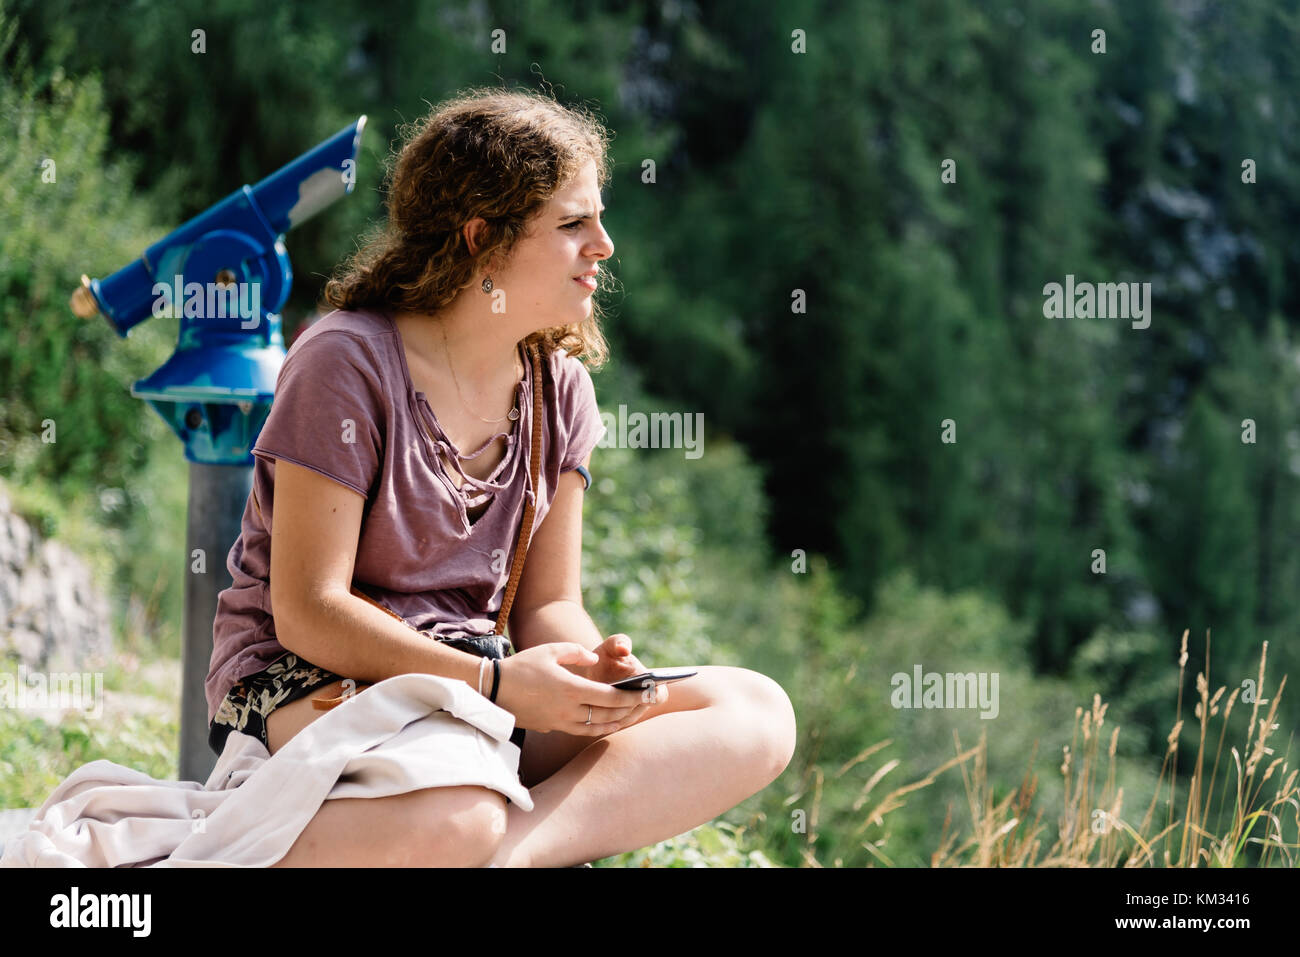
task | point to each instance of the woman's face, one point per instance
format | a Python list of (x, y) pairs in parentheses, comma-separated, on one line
[(564, 241)]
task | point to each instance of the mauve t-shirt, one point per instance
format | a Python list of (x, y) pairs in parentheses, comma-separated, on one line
[(345, 406)]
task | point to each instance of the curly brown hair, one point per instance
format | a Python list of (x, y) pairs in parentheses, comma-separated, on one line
[(491, 153)]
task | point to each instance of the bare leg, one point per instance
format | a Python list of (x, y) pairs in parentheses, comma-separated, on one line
[(719, 738), (433, 827)]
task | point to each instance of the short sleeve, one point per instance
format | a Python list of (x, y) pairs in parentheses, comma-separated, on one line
[(579, 411), (328, 411)]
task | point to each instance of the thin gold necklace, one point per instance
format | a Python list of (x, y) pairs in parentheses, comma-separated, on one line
[(512, 415)]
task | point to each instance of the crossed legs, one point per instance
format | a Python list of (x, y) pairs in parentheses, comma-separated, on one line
[(721, 736)]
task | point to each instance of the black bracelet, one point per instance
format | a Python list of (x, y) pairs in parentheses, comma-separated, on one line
[(496, 677)]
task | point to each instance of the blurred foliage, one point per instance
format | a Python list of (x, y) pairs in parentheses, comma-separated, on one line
[(69, 421), (712, 845), (36, 756), (37, 753)]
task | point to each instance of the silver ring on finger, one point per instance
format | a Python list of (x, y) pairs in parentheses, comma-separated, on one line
[(588, 714)]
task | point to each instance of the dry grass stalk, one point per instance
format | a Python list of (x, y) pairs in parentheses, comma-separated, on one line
[(1092, 831)]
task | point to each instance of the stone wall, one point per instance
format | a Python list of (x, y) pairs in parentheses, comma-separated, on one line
[(52, 614)]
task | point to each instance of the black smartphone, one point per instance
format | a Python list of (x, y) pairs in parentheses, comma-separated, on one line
[(647, 678)]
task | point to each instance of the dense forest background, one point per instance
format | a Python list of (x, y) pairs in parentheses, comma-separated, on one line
[(905, 460)]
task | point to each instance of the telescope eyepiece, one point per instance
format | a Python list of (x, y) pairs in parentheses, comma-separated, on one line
[(83, 302)]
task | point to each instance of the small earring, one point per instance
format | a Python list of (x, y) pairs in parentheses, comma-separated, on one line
[(487, 284)]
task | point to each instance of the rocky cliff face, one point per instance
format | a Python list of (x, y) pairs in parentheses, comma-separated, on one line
[(52, 615)]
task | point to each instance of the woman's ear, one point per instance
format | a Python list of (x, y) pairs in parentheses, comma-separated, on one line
[(472, 231), (473, 235)]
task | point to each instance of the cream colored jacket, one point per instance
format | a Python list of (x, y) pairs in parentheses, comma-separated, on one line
[(401, 734)]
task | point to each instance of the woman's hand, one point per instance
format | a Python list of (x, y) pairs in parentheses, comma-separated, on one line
[(549, 688), (616, 661)]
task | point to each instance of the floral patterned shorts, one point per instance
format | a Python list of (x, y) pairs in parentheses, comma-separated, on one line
[(248, 704)]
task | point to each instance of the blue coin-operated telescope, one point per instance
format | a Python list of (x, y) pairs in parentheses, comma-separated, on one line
[(225, 274)]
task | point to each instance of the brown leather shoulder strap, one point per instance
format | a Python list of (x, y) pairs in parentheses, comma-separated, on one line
[(526, 528)]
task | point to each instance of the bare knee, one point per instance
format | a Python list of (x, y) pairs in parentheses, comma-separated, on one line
[(769, 713), (456, 826)]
